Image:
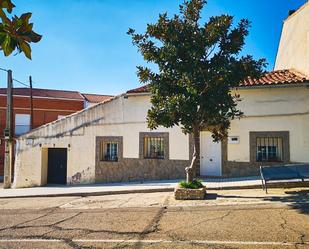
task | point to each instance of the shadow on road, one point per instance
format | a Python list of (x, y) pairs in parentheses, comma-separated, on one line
[(295, 199)]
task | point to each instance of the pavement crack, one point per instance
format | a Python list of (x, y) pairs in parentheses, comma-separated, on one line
[(284, 225), (205, 220), (25, 222), (152, 227)]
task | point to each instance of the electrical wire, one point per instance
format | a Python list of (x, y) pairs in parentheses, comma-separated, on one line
[(24, 84), (3, 69), (18, 81)]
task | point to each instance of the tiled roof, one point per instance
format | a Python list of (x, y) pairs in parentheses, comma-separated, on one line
[(142, 89), (278, 77), (47, 93), (96, 98)]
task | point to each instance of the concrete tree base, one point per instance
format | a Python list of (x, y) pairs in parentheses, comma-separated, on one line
[(189, 194)]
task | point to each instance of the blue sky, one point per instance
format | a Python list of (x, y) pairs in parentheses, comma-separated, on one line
[(85, 46)]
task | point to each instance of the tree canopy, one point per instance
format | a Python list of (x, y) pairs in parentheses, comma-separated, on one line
[(198, 65), (16, 32)]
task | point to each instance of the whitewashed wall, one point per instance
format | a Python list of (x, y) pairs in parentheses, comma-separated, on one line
[(273, 109), (120, 117), (266, 109)]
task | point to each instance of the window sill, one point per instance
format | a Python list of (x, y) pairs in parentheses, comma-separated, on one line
[(269, 162), (153, 158)]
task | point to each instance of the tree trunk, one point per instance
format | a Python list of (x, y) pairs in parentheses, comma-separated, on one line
[(191, 170)]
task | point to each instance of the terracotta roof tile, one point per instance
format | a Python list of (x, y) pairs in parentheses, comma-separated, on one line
[(142, 89), (48, 93), (96, 98), (278, 77)]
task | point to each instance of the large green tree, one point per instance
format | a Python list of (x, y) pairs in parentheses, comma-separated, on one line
[(197, 66), (16, 33)]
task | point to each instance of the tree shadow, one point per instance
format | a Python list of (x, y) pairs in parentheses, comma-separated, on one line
[(295, 199)]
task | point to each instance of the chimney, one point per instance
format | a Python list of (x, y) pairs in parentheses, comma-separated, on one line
[(291, 12)]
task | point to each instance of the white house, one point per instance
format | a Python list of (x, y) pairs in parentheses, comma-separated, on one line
[(110, 141)]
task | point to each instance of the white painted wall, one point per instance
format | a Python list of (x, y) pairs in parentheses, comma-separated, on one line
[(266, 109), (124, 117), (293, 49), (272, 109)]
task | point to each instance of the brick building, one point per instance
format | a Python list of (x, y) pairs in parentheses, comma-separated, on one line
[(48, 105)]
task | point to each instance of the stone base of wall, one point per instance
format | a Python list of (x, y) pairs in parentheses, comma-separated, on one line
[(189, 194), (239, 169), (129, 169), (298, 184)]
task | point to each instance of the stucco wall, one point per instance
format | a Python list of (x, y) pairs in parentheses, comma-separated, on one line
[(265, 109), (121, 117), (293, 48), (272, 109)]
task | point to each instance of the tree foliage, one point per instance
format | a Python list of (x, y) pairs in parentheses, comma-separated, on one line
[(198, 65), (16, 33)]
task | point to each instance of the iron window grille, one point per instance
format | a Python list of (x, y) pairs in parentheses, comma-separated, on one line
[(109, 151), (154, 147), (269, 149)]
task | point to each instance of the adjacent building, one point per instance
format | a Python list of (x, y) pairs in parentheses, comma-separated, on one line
[(48, 105)]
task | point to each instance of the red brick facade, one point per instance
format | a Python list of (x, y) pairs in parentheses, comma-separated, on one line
[(46, 108)]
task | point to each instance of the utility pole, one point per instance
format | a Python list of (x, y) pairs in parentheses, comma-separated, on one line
[(8, 134), (31, 103)]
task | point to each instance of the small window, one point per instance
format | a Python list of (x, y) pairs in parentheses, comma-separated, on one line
[(22, 124), (109, 151), (269, 149), (154, 147)]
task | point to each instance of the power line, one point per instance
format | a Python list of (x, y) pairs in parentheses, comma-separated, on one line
[(24, 84), (18, 81), (3, 69)]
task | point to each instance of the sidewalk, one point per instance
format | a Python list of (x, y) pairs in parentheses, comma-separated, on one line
[(124, 188)]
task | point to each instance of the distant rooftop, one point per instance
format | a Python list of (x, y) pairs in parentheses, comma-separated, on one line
[(58, 94), (96, 98)]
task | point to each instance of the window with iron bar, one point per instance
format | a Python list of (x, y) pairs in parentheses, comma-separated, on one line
[(109, 151), (154, 147), (269, 149)]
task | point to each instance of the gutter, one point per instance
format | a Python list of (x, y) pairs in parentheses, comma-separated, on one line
[(126, 95), (305, 84)]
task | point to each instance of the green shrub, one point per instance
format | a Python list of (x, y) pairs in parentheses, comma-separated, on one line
[(195, 184)]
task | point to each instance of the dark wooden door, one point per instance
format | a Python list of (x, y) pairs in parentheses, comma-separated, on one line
[(57, 166)]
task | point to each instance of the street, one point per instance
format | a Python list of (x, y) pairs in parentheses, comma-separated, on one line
[(227, 219)]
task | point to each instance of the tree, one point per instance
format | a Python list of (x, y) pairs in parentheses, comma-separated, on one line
[(198, 65), (16, 32)]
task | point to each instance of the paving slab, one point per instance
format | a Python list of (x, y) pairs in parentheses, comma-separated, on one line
[(123, 188), (131, 187)]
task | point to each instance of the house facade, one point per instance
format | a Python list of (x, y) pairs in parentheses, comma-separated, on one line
[(110, 141), (48, 105)]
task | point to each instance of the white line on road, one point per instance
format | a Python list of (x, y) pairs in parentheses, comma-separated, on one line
[(213, 242)]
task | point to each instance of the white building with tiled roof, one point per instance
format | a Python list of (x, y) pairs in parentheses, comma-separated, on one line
[(110, 141)]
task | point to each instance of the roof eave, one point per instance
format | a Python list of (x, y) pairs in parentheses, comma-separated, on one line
[(286, 85), (138, 94)]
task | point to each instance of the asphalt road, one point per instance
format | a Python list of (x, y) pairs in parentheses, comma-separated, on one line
[(154, 221)]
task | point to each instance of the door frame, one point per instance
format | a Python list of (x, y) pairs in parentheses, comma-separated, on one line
[(47, 164), (223, 155)]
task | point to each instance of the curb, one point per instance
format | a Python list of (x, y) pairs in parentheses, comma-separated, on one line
[(98, 193), (119, 192), (157, 190)]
